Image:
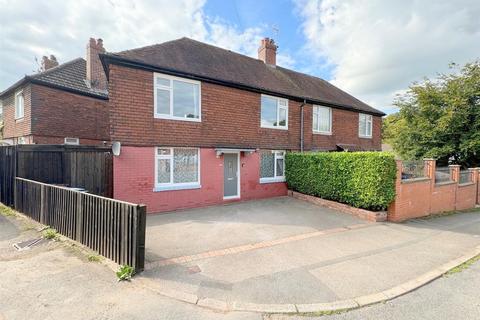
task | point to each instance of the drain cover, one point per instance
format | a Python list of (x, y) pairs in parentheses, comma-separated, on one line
[(25, 245)]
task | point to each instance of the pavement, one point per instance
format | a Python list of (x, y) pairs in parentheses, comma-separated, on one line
[(286, 255), (57, 281)]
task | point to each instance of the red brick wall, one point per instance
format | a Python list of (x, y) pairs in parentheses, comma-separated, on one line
[(17, 127), (58, 114), (466, 196), (422, 197), (134, 181), (51, 115), (230, 117)]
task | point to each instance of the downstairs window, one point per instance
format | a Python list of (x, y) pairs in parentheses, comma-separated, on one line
[(177, 168), (272, 166)]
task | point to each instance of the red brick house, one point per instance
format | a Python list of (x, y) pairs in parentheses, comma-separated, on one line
[(200, 125), (64, 103)]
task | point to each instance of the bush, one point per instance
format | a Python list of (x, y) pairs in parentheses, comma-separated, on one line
[(360, 179)]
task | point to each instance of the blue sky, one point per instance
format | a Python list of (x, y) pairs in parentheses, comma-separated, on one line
[(373, 49), (281, 21)]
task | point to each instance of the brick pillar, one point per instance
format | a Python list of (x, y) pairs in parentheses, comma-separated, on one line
[(455, 176), (430, 168), (475, 172), (455, 172)]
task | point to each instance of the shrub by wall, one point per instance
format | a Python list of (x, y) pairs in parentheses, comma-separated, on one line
[(360, 179)]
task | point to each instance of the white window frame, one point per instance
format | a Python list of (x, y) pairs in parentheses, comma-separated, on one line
[(171, 185), (368, 125), (316, 114), (170, 89), (18, 114), (285, 127), (76, 141), (278, 154)]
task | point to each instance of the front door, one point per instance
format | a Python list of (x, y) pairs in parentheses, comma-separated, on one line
[(230, 175)]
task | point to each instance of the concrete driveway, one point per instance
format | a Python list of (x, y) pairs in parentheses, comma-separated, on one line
[(284, 253), (194, 231)]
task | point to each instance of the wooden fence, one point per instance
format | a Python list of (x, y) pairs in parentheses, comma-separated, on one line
[(85, 167), (115, 229)]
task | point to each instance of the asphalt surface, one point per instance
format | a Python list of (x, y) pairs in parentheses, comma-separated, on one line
[(455, 296)]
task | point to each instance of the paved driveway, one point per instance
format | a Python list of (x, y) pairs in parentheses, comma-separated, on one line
[(205, 229), (285, 252)]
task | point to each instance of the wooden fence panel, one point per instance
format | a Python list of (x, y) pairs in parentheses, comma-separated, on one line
[(85, 167), (8, 172), (114, 229)]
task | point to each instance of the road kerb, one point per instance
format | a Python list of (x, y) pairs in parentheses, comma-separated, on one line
[(341, 305), (328, 306)]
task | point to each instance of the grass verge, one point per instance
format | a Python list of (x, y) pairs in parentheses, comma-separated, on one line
[(7, 211), (463, 266)]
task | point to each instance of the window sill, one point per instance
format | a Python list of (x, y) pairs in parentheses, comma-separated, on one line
[(272, 180), (165, 117), (322, 133), (177, 187), (365, 137), (19, 119), (275, 128)]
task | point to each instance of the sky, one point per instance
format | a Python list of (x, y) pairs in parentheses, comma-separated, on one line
[(373, 49)]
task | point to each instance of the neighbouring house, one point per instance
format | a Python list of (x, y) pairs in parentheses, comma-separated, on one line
[(200, 125), (61, 104)]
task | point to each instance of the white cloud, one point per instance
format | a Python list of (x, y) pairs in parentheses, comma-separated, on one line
[(377, 48), (35, 28)]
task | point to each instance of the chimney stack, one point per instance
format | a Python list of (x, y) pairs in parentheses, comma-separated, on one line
[(48, 63), (96, 77), (268, 51)]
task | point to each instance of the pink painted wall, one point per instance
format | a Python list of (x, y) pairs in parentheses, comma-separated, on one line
[(134, 181)]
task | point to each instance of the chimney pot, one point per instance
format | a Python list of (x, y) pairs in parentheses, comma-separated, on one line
[(267, 52), (48, 63)]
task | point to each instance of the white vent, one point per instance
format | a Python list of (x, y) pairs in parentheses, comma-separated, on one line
[(72, 141)]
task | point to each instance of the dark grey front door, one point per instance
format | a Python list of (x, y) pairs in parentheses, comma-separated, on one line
[(230, 175)]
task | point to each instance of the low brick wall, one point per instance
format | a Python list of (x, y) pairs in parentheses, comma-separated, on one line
[(360, 213), (423, 196)]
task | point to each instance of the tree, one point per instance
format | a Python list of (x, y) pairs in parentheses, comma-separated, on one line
[(439, 118)]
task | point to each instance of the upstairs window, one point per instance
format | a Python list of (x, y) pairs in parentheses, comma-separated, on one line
[(322, 120), (19, 105), (176, 98), (272, 166), (364, 125), (274, 112), (177, 167)]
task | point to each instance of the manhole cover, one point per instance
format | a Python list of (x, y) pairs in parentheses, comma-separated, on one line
[(25, 245)]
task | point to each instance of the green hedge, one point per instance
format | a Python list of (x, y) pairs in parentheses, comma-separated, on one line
[(360, 179)]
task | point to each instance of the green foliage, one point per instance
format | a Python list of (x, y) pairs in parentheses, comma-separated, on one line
[(125, 273), (6, 211), (50, 233), (361, 179), (94, 258), (439, 118)]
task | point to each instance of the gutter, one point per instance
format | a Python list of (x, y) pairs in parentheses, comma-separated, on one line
[(108, 59), (301, 124), (29, 79)]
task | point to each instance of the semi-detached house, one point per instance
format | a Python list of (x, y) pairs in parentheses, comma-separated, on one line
[(61, 104), (200, 125)]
